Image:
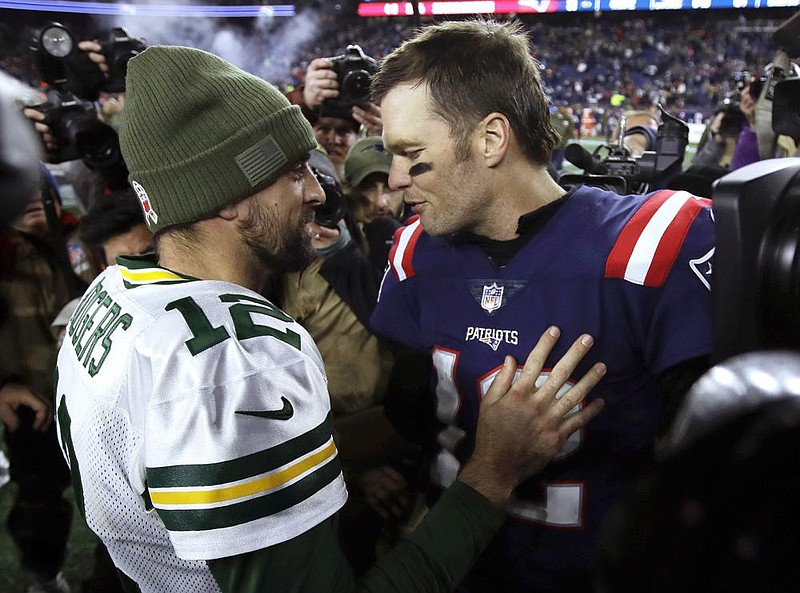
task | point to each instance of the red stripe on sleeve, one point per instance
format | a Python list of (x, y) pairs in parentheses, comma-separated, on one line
[(408, 254), (620, 254), (395, 246), (671, 242)]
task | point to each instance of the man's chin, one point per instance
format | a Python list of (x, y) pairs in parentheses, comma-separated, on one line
[(298, 259)]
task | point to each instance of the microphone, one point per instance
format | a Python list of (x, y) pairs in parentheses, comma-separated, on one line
[(583, 159)]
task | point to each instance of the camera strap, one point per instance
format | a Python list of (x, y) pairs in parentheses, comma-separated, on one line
[(58, 242)]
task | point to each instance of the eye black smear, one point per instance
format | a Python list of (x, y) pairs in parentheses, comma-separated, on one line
[(419, 169)]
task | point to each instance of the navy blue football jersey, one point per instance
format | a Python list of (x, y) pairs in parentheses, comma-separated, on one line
[(634, 272)]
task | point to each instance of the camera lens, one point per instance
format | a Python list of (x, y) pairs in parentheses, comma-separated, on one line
[(356, 86), (57, 41)]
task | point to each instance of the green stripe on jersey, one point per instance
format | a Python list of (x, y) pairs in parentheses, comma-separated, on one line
[(214, 474), (252, 509)]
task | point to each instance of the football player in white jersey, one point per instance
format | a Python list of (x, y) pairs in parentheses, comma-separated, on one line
[(194, 413)]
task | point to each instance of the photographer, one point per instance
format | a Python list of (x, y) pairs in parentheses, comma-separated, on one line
[(35, 285), (321, 84), (751, 146), (19, 173), (72, 128), (746, 150), (337, 119)]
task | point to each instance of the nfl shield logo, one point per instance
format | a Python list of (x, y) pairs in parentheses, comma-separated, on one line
[(492, 298)]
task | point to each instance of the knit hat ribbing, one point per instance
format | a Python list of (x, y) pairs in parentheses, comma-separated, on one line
[(198, 134)]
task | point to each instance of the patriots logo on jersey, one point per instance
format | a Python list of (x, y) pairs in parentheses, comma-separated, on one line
[(492, 337)]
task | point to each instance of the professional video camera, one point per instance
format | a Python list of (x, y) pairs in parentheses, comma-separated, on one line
[(72, 120), (756, 286), (623, 172), (354, 70)]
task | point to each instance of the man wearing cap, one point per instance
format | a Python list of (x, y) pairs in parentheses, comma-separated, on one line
[(194, 413), (366, 172)]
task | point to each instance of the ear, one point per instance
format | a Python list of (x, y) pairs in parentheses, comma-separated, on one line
[(495, 138)]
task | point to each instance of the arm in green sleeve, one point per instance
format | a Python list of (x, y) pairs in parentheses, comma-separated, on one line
[(433, 559)]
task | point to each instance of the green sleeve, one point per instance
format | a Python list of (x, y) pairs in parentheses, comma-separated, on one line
[(433, 559)]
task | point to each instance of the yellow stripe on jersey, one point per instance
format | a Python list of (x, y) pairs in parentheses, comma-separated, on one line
[(149, 275), (261, 485)]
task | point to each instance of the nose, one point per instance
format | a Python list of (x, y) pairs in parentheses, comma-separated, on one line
[(314, 194), (398, 174), (383, 196)]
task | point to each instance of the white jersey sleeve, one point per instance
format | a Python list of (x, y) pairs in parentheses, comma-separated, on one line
[(196, 415)]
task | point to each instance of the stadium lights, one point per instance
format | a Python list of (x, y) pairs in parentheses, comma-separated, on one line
[(447, 7), (149, 10)]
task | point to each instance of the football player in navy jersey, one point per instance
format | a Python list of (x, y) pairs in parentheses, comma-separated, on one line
[(498, 251)]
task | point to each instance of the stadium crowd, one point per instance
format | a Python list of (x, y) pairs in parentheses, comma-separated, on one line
[(684, 60)]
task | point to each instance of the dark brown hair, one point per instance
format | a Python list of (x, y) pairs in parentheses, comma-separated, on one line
[(474, 68)]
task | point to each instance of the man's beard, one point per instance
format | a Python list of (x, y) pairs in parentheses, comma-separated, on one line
[(276, 245)]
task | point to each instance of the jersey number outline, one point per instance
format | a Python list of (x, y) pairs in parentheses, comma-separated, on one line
[(205, 336), (563, 505)]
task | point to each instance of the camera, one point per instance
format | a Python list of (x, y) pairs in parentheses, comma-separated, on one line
[(72, 120), (623, 173), (733, 120), (333, 210), (118, 50), (742, 80), (354, 71), (756, 285)]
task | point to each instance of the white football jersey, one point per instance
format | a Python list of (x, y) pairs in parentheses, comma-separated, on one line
[(194, 415)]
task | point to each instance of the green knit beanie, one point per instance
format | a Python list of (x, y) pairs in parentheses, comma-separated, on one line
[(198, 134)]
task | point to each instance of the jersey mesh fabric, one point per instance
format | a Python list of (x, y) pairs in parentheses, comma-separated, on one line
[(148, 557)]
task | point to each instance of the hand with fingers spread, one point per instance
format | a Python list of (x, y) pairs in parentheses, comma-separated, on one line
[(522, 427), (320, 83)]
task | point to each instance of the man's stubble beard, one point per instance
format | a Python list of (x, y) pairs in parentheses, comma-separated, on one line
[(276, 246)]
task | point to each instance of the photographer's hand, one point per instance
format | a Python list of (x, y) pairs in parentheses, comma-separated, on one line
[(38, 118), (322, 236), (320, 83), (369, 116), (94, 50)]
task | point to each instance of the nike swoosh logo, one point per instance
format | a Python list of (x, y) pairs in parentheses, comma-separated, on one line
[(286, 412)]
